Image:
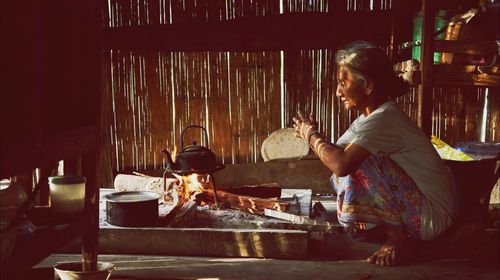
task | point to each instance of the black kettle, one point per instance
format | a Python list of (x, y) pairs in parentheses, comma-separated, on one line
[(193, 158)]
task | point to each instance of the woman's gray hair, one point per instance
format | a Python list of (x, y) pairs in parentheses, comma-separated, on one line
[(367, 63)]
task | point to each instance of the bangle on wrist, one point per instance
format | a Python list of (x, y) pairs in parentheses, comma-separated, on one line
[(311, 134)]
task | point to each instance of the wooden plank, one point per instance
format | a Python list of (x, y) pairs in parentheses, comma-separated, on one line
[(275, 32), (455, 79), (466, 79), (466, 47)]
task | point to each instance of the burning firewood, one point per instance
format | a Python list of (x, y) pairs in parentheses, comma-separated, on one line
[(250, 204), (182, 214), (186, 198), (197, 189), (187, 192)]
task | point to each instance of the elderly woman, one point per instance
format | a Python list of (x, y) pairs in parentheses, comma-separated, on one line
[(387, 175)]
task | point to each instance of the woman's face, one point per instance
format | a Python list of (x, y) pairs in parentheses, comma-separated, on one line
[(351, 92)]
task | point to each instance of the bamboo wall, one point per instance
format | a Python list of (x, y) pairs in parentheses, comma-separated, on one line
[(240, 97)]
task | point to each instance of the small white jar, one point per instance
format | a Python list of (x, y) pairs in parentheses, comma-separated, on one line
[(67, 194)]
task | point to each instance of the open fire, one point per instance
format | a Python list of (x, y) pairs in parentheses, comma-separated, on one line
[(197, 190), (192, 184)]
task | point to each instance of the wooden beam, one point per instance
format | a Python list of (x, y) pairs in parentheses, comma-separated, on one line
[(265, 33), (90, 230), (425, 89)]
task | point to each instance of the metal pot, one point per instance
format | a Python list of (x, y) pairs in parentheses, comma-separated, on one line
[(132, 209)]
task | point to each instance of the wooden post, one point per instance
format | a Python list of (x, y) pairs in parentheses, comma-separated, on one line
[(90, 231), (426, 65)]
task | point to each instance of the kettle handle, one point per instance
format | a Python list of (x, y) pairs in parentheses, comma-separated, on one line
[(193, 126)]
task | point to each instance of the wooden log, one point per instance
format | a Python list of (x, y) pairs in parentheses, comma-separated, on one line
[(182, 213), (268, 190), (254, 205)]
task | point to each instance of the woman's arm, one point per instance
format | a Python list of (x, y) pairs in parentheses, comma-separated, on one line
[(340, 161)]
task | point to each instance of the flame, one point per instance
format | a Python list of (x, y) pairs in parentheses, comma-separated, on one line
[(191, 185)]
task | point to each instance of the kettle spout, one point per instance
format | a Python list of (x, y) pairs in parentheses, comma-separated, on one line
[(170, 163)]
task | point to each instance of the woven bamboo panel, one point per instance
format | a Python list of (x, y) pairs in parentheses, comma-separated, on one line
[(154, 96), (242, 97)]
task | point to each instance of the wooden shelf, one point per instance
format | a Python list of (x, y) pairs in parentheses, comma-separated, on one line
[(19, 156), (466, 47), (455, 79), (454, 75)]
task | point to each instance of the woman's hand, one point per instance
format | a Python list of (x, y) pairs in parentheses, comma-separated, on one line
[(305, 127)]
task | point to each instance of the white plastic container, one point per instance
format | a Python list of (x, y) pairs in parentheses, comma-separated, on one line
[(67, 194), (74, 271)]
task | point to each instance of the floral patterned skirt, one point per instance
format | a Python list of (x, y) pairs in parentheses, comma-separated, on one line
[(379, 192)]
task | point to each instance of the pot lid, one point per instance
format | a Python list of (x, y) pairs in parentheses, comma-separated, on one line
[(131, 196), (196, 148), (282, 144)]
